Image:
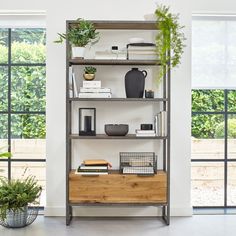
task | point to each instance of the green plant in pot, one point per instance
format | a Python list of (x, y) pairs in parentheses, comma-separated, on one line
[(79, 35), (170, 39), (89, 72), (15, 196)]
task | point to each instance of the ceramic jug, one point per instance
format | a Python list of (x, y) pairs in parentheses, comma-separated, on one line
[(135, 83)]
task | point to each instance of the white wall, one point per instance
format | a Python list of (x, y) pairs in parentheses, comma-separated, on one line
[(57, 13)]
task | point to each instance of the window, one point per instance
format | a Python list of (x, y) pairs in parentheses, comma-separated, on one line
[(22, 102), (213, 111)]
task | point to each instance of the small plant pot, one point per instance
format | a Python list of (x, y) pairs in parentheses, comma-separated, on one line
[(89, 76), (78, 52), (18, 218)]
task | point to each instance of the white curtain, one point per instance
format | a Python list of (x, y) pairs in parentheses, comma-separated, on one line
[(214, 52)]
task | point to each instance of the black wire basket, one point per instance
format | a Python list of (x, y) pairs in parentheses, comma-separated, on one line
[(139, 163), (20, 218)]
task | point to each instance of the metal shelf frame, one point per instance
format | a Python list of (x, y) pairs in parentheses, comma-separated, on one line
[(118, 25)]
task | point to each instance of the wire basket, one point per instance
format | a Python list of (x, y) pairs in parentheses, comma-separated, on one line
[(20, 218), (140, 163)]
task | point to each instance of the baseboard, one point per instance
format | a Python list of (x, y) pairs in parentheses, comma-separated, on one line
[(117, 211)]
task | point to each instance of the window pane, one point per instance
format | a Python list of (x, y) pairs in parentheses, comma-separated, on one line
[(28, 126), (3, 45), (207, 137), (3, 129), (207, 100), (24, 169), (207, 184), (4, 169), (28, 88), (231, 201), (232, 136), (232, 100), (3, 88), (28, 45), (28, 148)]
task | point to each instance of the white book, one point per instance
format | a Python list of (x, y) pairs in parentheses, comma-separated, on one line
[(75, 88), (91, 173), (94, 95), (95, 90), (142, 57), (71, 95), (142, 48), (139, 131), (92, 84), (145, 135)]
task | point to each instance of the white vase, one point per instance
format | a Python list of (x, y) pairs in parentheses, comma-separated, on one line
[(78, 52)]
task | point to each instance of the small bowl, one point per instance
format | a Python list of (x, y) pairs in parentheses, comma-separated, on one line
[(116, 129)]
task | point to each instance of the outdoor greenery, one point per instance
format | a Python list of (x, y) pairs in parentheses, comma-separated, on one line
[(15, 194), (212, 125), (28, 83)]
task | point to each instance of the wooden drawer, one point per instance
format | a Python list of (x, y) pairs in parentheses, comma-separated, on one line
[(117, 188)]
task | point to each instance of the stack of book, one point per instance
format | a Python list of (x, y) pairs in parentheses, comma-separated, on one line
[(93, 89), (141, 51), (145, 133), (93, 167), (160, 123)]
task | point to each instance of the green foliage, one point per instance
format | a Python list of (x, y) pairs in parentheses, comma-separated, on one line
[(90, 70), (3, 153), (170, 38), (212, 126), (231, 129), (15, 194), (28, 86), (81, 35)]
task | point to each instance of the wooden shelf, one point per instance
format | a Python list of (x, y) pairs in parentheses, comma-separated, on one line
[(113, 62), (120, 99), (121, 25), (104, 136), (106, 189)]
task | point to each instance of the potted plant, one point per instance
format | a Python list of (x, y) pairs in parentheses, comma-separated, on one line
[(15, 196), (170, 39), (79, 36), (89, 72)]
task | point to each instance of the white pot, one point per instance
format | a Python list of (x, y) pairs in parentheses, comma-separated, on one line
[(78, 52)]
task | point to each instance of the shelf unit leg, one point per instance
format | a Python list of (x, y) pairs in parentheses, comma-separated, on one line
[(68, 215), (166, 214)]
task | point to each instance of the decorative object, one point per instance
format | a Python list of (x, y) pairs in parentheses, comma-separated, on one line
[(135, 82), (87, 121), (149, 94), (89, 73), (170, 39), (136, 40), (116, 129), (141, 163), (141, 51), (146, 126), (79, 36), (15, 197)]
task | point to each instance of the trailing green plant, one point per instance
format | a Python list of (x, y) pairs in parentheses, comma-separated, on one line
[(4, 154), (90, 70), (170, 39), (80, 35), (15, 194)]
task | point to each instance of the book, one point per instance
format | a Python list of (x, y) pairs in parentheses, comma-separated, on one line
[(75, 88), (94, 95), (142, 57), (145, 135), (91, 173), (88, 167), (95, 90), (92, 84), (139, 131), (94, 162)]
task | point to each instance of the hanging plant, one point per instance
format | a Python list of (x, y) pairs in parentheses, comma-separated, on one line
[(170, 39)]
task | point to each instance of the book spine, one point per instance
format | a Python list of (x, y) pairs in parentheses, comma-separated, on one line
[(92, 84), (95, 90), (94, 95), (75, 88)]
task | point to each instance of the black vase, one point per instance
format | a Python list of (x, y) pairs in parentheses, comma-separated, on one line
[(135, 83)]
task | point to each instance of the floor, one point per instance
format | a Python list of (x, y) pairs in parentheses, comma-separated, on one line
[(221, 225)]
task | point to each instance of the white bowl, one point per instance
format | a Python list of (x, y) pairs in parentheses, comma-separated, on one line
[(136, 40)]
